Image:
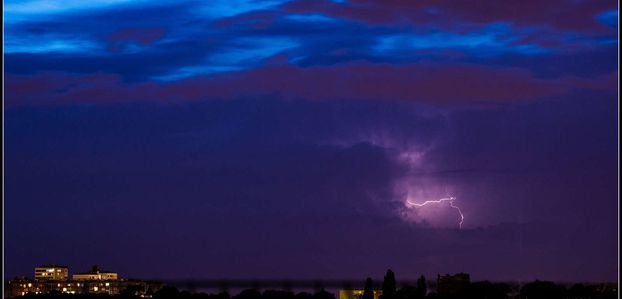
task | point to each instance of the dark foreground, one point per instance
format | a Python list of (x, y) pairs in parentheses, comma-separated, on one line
[(476, 290)]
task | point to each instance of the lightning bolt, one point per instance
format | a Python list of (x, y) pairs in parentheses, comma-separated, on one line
[(450, 199)]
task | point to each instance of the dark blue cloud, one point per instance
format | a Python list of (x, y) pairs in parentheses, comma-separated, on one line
[(198, 40)]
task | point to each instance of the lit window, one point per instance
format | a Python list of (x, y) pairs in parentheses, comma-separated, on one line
[(95, 289), (64, 289), (30, 284), (107, 284), (58, 285)]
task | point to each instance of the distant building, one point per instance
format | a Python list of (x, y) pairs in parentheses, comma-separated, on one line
[(93, 282), (22, 286), (356, 294), (52, 272), (453, 284), (96, 274)]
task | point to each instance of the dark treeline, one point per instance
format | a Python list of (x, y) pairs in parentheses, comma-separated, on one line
[(476, 290), (488, 290), (170, 292), (173, 293)]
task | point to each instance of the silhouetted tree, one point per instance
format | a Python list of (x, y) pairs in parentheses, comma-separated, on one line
[(541, 290), (368, 291), (277, 294), (577, 290), (201, 295), (323, 295), (303, 295), (248, 294), (166, 292), (221, 295), (406, 292), (422, 287), (132, 291), (184, 295), (433, 295), (594, 291), (487, 290), (389, 285)]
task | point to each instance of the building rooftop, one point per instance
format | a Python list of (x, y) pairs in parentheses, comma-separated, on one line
[(95, 270)]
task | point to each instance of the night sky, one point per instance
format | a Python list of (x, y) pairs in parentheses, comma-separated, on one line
[(285, 139)]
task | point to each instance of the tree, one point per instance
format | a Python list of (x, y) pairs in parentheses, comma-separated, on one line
[(248, 294), (541, 290), (487, 290), (389, 285), (322, 294), (221, 295), (422, 287), (277, 294), (368, 291), (577, 290), (166, 292), (303, 295), (407, 292), (132, 291)]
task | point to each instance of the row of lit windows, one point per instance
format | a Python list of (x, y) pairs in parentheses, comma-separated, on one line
[(51, 274), (49, 270), (66, 290), (69, 285)]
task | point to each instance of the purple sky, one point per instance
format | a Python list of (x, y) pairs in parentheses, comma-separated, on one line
[(284, 139)]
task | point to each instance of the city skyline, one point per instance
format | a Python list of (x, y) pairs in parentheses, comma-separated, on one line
[(298, 139), (97, 282)]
